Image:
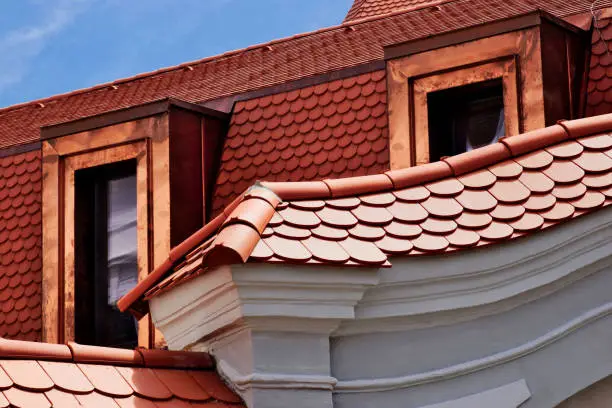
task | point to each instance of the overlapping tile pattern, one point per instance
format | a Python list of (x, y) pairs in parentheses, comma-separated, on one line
[(269, 64), (335, 129), (369, 8), (599, 98), (20, 246), (519, 186), (503, 201), (38, 375)]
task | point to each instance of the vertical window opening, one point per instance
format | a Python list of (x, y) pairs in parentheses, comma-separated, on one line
[(106, 264), (465, 118)]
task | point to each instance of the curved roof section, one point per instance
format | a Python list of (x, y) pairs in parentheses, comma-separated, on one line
[(506, 190), (39, 375), (289, 59)]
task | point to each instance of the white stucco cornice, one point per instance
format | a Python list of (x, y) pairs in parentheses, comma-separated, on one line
[(469, 367), (260, 297), (438, 290), (268, 326)]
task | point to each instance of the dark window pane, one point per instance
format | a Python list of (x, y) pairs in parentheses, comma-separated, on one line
[(106, 264), (465, 118)]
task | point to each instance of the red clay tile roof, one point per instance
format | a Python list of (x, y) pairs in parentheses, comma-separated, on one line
[(520, 185), (332, 130), (277, 62), (38, 375), (369, 8), (20, 246), (599, 99)]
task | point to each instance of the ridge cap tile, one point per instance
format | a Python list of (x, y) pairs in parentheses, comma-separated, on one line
[(96, 354), (477, 158), (295, 190), (253, 211), (587, 126), (535, 139), (351, 186), (418, 175), (234, 244), (29, 350)]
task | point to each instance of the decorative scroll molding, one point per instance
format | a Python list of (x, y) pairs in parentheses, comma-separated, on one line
[(393, 383), (242, 383), (507, 396), (417, 293)]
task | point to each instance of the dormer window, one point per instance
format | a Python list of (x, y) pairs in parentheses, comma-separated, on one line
[(464, 118), (450, 93), (119, 191)]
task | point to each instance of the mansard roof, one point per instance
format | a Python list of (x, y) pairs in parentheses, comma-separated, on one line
[(299, 57)]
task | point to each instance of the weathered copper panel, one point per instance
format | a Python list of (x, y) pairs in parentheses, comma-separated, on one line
[(186, 197), (563, 56)]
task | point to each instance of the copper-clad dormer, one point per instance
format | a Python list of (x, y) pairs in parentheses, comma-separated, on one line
[(482, 83)]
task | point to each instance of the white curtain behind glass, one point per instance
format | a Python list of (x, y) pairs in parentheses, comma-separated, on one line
[(122, 237)]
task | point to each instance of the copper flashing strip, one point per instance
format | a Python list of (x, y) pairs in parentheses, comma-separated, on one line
[(474, 33), (124, 115)]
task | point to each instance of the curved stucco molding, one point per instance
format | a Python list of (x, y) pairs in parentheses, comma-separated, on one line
[(418, 292), (274, 381), (392, 383), (507, 396)]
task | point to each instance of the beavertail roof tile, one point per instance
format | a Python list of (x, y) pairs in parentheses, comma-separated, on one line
[(361, 221), (323, 51), (332, 130), (599, 98), (34, 375), (21, 246)]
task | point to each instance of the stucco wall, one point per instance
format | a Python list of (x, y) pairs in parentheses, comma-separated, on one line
[(563, 365), (555, 336)]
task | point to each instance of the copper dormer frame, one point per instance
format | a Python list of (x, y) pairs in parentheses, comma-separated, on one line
[(514, 57), (145, 140)]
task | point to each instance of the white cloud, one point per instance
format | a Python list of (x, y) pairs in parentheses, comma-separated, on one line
[(20, 47)]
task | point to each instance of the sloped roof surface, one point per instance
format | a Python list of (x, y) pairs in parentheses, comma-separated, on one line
[(269, 64), (599, 99), (20, 246), (335, 129), (369, 8), (509, 189), (39, 375)]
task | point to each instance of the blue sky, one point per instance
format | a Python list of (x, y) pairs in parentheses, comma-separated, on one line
[(55, 46)]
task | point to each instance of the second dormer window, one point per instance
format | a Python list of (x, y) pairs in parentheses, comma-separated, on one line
[(465, 118)]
